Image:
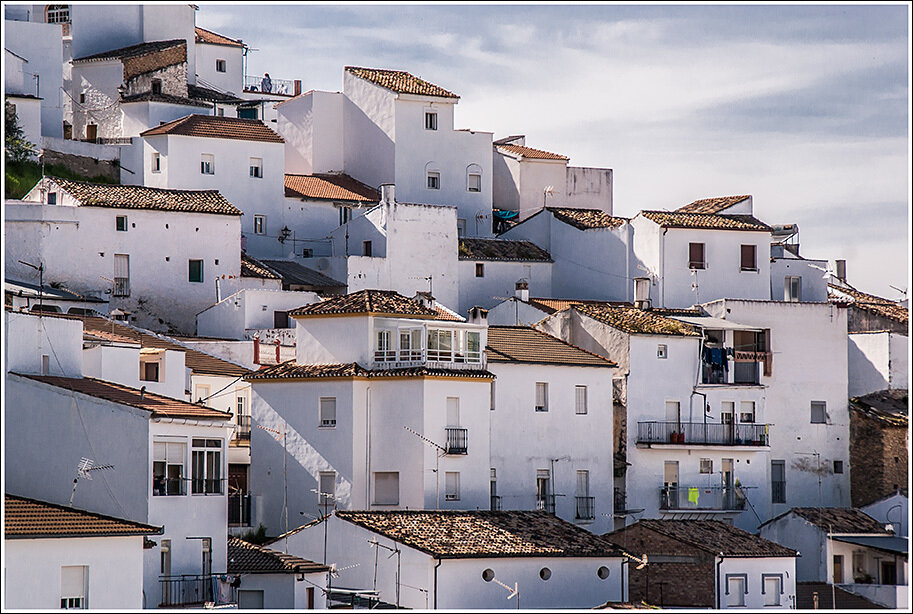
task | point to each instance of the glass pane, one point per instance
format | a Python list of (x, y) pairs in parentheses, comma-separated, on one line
[(175, 453)]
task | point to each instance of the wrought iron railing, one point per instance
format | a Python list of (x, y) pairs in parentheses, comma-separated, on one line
[(209, 486), (620, 501), (168, 487), (778, 491), (242, 433), (186, 590), (254, 83), (699, 433), (239, 510), (495, 503), (586, 508), (718, 498), (457, 440), (121, 286), (546, 503)]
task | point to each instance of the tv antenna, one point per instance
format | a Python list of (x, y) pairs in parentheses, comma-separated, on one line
[(903, 292), (513, 591), (395, 551), (40, 269), (439, 452), (84, 471)]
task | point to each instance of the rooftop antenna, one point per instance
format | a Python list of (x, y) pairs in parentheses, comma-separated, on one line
[(513, 591), (394, 551), (84, 471), (325, 504), (40, 269), (439, 452), (281, 435), (903, 292)]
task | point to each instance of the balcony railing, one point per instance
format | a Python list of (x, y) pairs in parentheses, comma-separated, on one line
[(242, 433), (188, 590), (495, 503), (239, 510), (546, 503), (586, 508), (283, 87), (168, 487), (710, 498), (457, 440), (698, 433), (620, 500), (778, 491), (413, 358), (209, 486)]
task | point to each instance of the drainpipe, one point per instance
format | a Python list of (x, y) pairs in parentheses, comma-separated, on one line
[(719, 562), (368, 447), (436, 565), (662, 268), (624, 574)]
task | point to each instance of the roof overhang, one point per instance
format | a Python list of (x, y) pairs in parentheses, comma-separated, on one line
[(714, 323), (886, 543)]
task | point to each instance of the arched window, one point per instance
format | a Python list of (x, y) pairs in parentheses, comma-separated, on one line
[(432, 176), (473, 178)]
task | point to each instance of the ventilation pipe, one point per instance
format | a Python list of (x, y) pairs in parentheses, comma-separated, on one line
[(521, 290), (387, 194)]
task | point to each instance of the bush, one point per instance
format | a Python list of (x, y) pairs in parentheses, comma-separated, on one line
[(22, 177), (257, 537), (15, 146)]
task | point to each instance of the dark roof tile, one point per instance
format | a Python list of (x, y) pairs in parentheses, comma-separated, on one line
[(291, 371), (529, 152), (141, 197), (217, 127), (586, 219), (706, 221), (245, 558), (713, 205), (365, 302), (502, 250), (634, 320), (713, 536), (211, 38)]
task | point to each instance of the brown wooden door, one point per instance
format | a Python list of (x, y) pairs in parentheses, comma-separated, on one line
[(91, 133)]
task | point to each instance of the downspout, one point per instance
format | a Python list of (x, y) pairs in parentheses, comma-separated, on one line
[(662, 268), (629, 292), (368, 447), (719, 562), (624, 574), (438, 564)]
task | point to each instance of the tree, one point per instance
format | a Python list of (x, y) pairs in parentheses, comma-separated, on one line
[(16, 147)]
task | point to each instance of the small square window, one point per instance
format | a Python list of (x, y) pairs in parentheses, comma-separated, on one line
[(156, 162), (838, 466), (259, 224), (819, 412), (52, 198), (149, 371), (662, 351), (706, 465), (82, 98), (461, 227), (434, 181), (749, 258), (207, 164), (480, 269), (120, 223), (156, 86), (195, 271), (256, 168), (386, 488), (328, 412), (430, 120), (696, 256), (220, 65), (474, 182)]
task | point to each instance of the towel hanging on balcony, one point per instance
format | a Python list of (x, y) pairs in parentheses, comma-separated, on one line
[(693, 495)]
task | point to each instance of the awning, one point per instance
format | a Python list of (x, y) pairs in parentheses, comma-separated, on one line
[(714, 323), (886, 543)]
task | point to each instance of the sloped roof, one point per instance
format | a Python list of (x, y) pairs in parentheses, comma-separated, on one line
[(132, 51), (367, 302), (198, 92), (24, 288), (141, 197), (400, 82), (292, 370), (244, 557), (211, 38), (251, 267), (166, 98), (586, 219), (636, 321), (217, 127), (325, 186), (891, 407), (528, 345), (159, 406), (530, 152), (706, 221), (714, 536), (484, 534), (713, 205), (501, 250), (876, 305), (295, 274), (26, 518), (837, 520)]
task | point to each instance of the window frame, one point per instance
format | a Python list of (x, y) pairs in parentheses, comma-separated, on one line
[(260, 225), (221, 65), (693, 263), (480, 269), (118, 227), (374, 494), (255, 166), (543, 407), (166, 486), (580, 409), (777, 496), (75, 602), (469, 182), (753, 251), (433, 180), (207, 164), (156, 162), (788, 295), (821, 406), (367, 249), (324, 421), (325, 497), (451, 486), (210, 451), (199, 272), (741, 594), (431, 120), (144, 373), (772, 576), (662, 351), (121, 284)]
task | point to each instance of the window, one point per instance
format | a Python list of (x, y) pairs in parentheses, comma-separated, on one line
[(220, 112), (792, 289), (819, 412), (461, 227), (771, 588), (366, 248), (696, 256), (488, 575), (120, 223), (473, 346), (328, 412), (662, 351), (838, 466), (156, 86), (410, 344), (52, 198), (156, 162), (585, 503), (777, 481), (201, 393), (74, 587), (453, 411), (168, 468), (149, 371), (327, 488), (838, 569), (474, 183), (207, 164), (746, 411), (749, 261), (82, 98), (165, 559), (121, 275), (727, 409), (736, 587), (493, 491), (45, 364), (256, 168), (580, 399), (480, 269), (602, 573), (259, 224), (220, 65), (195, 273), (673, 411), (545, 573), (433, 181), (430, 120), (541, 396), (452, 486), (706, 465), (544, 499), (383, 346), (440, 344), (58, 13), (345, 214), (207, 466), (386, 488)]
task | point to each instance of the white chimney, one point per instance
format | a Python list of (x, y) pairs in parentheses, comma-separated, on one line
[(521, 290), (477, 315), (642, 292), (387, 195)]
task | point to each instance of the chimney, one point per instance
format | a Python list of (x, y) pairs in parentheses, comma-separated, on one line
[(477, 315), (841, 270), (142, 393), (521, 290), (387, 194), (642, 292), (297, 87)]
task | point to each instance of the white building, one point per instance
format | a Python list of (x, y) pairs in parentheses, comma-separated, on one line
[(712, 248), (246, 313), (877, 360), (551, 417), (386, 407), (592, 251), (19, 91), (792, 276), (33, 58), (59, 557), (490, 270), (528, 179), (276, 580), (162, 254), (847, 548), (219, 62), (892, 510), (454, 560)]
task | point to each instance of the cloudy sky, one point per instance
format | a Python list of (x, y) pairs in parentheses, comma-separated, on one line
[(804, 107)]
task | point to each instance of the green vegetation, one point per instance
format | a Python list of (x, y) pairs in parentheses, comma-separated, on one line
[(15, 146), (22, 177), (257, 537)]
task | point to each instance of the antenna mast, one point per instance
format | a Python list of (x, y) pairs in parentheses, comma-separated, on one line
[(439, 452), (83, 470)]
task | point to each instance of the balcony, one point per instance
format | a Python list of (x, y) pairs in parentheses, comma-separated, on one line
[(702, 434), (586, 508), (546, 503), (242, 431), (457, 440), (239, 510), (701, 498), (197, 590), (281, 87), (168, 487), (434, 358), (495, 503)]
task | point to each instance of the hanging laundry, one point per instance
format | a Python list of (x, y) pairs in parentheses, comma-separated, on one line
[(693, 495)]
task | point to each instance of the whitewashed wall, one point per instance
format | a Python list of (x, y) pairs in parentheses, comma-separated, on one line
[(370, 131), (122, 365), (813, 284), (232, 80), (891, 510), (28, 338), (249, 309), (514, 312), (286, 591), (589, 188), (795, 532), (28, 115), (877, 361), (755, 568), (312, 126), (41, 45), (499, 280)]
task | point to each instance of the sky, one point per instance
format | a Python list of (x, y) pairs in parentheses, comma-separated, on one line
[(806, 108)]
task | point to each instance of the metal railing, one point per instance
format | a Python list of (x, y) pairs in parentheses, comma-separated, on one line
[(168, 487), (457, 440), (685, 498), (620, 501), (586, 508), (699, 433), (121, 286), (495, 503), (408, 358), (239, 510), (546, 503), (778, 491), (185, 590), (242, 433), (254, 83), (209, 486)]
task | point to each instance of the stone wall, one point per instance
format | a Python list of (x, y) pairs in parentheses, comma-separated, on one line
[(89, 168), (860, 321), (173, 78), (878, 459)]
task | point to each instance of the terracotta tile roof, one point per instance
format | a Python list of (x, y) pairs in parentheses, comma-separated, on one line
[(713, 205), (705, 221), (365, 302), (198, 92), (869, 302), (713, 536), (133, 50), (890, 407), (217, 127), (330, 187), (26, 518), (528, 345), (400, 82), (501, 250), (251, 267), (167, 98), (554, 305), (586, 219), (141, 197), (636, 321), (445, 314), (211, 38), (294, 274), (158, 405), (244, 557), (292, 370), (144, 57), (839, 520), (529, 152), (484, 534)]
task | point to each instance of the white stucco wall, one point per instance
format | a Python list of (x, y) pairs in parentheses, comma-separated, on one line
[(370, 131), (755, 568), (97, 81), (891, 510), (41, 45), (498, 281), (514, 312), (141, 116), (589, 188), (32, 574), (249, 309), (286, 591), (795, 532), (28, 338), (877, 361), (813, 284), (232, 80), (122, 365), (28, 115), (312, 126)]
